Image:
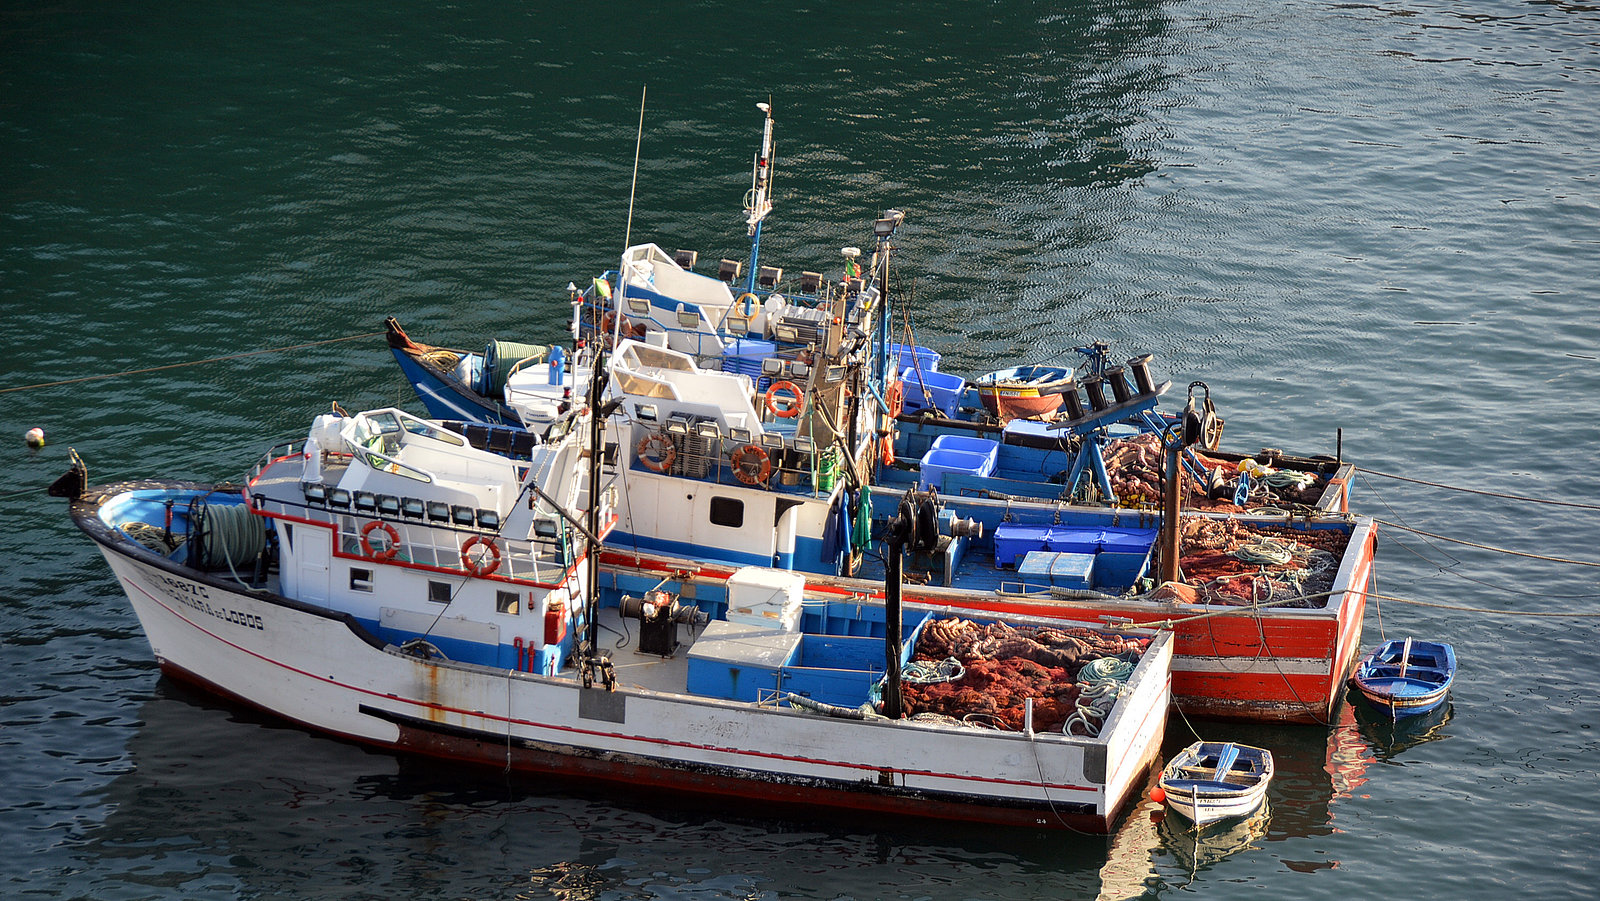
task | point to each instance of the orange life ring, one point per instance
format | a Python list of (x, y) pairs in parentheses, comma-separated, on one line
[(886, 452), (480, 568), (751, 465), (366, 542), (895, 397), (790, 409), (656, 452)]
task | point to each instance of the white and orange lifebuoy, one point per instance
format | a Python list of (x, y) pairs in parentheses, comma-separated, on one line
[(656, 452), (483, 564), (790, 405), (751, 465), (366, 541)]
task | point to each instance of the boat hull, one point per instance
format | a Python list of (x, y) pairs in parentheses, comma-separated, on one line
[(322, 670), (1202, 806), (1205, 798), (1018, 401), (1403, 698), (1419, 690), (1024, 392)]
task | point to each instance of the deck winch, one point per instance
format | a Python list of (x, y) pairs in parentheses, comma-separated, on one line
[(659, 615), (1136, 403)]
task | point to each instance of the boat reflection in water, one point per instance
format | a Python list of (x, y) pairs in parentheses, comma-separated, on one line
[(1202, 847), (1389, 738), (1318, 769)]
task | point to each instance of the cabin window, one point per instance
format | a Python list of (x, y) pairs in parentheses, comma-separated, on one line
[(726, 511), (507, 602), (360, 579), (439, 592)]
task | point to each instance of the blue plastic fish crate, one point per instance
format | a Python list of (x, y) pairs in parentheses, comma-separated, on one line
[(915, 356), (928, 390), (938, 461), (1012, 542)]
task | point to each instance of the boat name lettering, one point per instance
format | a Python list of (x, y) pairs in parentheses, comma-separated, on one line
[(195, 598)]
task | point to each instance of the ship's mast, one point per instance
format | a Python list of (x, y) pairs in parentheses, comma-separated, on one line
[(758, 200)]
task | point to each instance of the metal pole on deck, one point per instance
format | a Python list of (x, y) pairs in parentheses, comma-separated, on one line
[(1170, 508), (899, 532)]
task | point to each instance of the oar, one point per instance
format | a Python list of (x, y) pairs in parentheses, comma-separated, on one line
[(1225, 759), (1405, 657)]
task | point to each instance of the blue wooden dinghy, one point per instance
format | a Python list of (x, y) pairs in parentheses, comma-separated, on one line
[(1211, 781), (1406, 677)]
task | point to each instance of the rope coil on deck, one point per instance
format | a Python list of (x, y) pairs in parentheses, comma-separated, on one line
[(1100, 684), (930, 672)]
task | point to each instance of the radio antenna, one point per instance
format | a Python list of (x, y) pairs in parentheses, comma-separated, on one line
[(638, 142)]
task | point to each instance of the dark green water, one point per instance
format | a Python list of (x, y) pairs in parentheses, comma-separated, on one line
[(1383, 219)]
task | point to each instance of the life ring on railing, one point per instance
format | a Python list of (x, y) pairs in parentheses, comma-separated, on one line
[(751, 308), (788, 409), (895, 397), (366, 542), (886, 450), (656, 452), (486, 564), (751, 465)]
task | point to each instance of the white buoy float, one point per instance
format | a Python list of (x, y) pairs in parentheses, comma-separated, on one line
[(35, 438)]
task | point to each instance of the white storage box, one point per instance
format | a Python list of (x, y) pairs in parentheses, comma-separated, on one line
[(760, 596)]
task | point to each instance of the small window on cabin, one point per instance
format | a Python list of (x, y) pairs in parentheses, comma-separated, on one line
[(360, 579), (439, 592), (726, 511), (506, 602)]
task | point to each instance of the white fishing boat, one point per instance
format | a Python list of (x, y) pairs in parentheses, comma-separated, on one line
[(1213, 781), (759, 420), (384, 581)]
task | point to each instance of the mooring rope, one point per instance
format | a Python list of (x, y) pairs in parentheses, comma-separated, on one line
[(1417, 603), (1487, 547), (249, 353), (1509, 497)]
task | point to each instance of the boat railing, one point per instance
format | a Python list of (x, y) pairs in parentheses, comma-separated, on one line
[(450, 548), (703, 452), (431, 533)]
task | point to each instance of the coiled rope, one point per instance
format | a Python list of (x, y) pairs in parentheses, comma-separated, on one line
[(1100, 684), (929, 672), (1281, 478), (1266, 551), (226, 535)]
